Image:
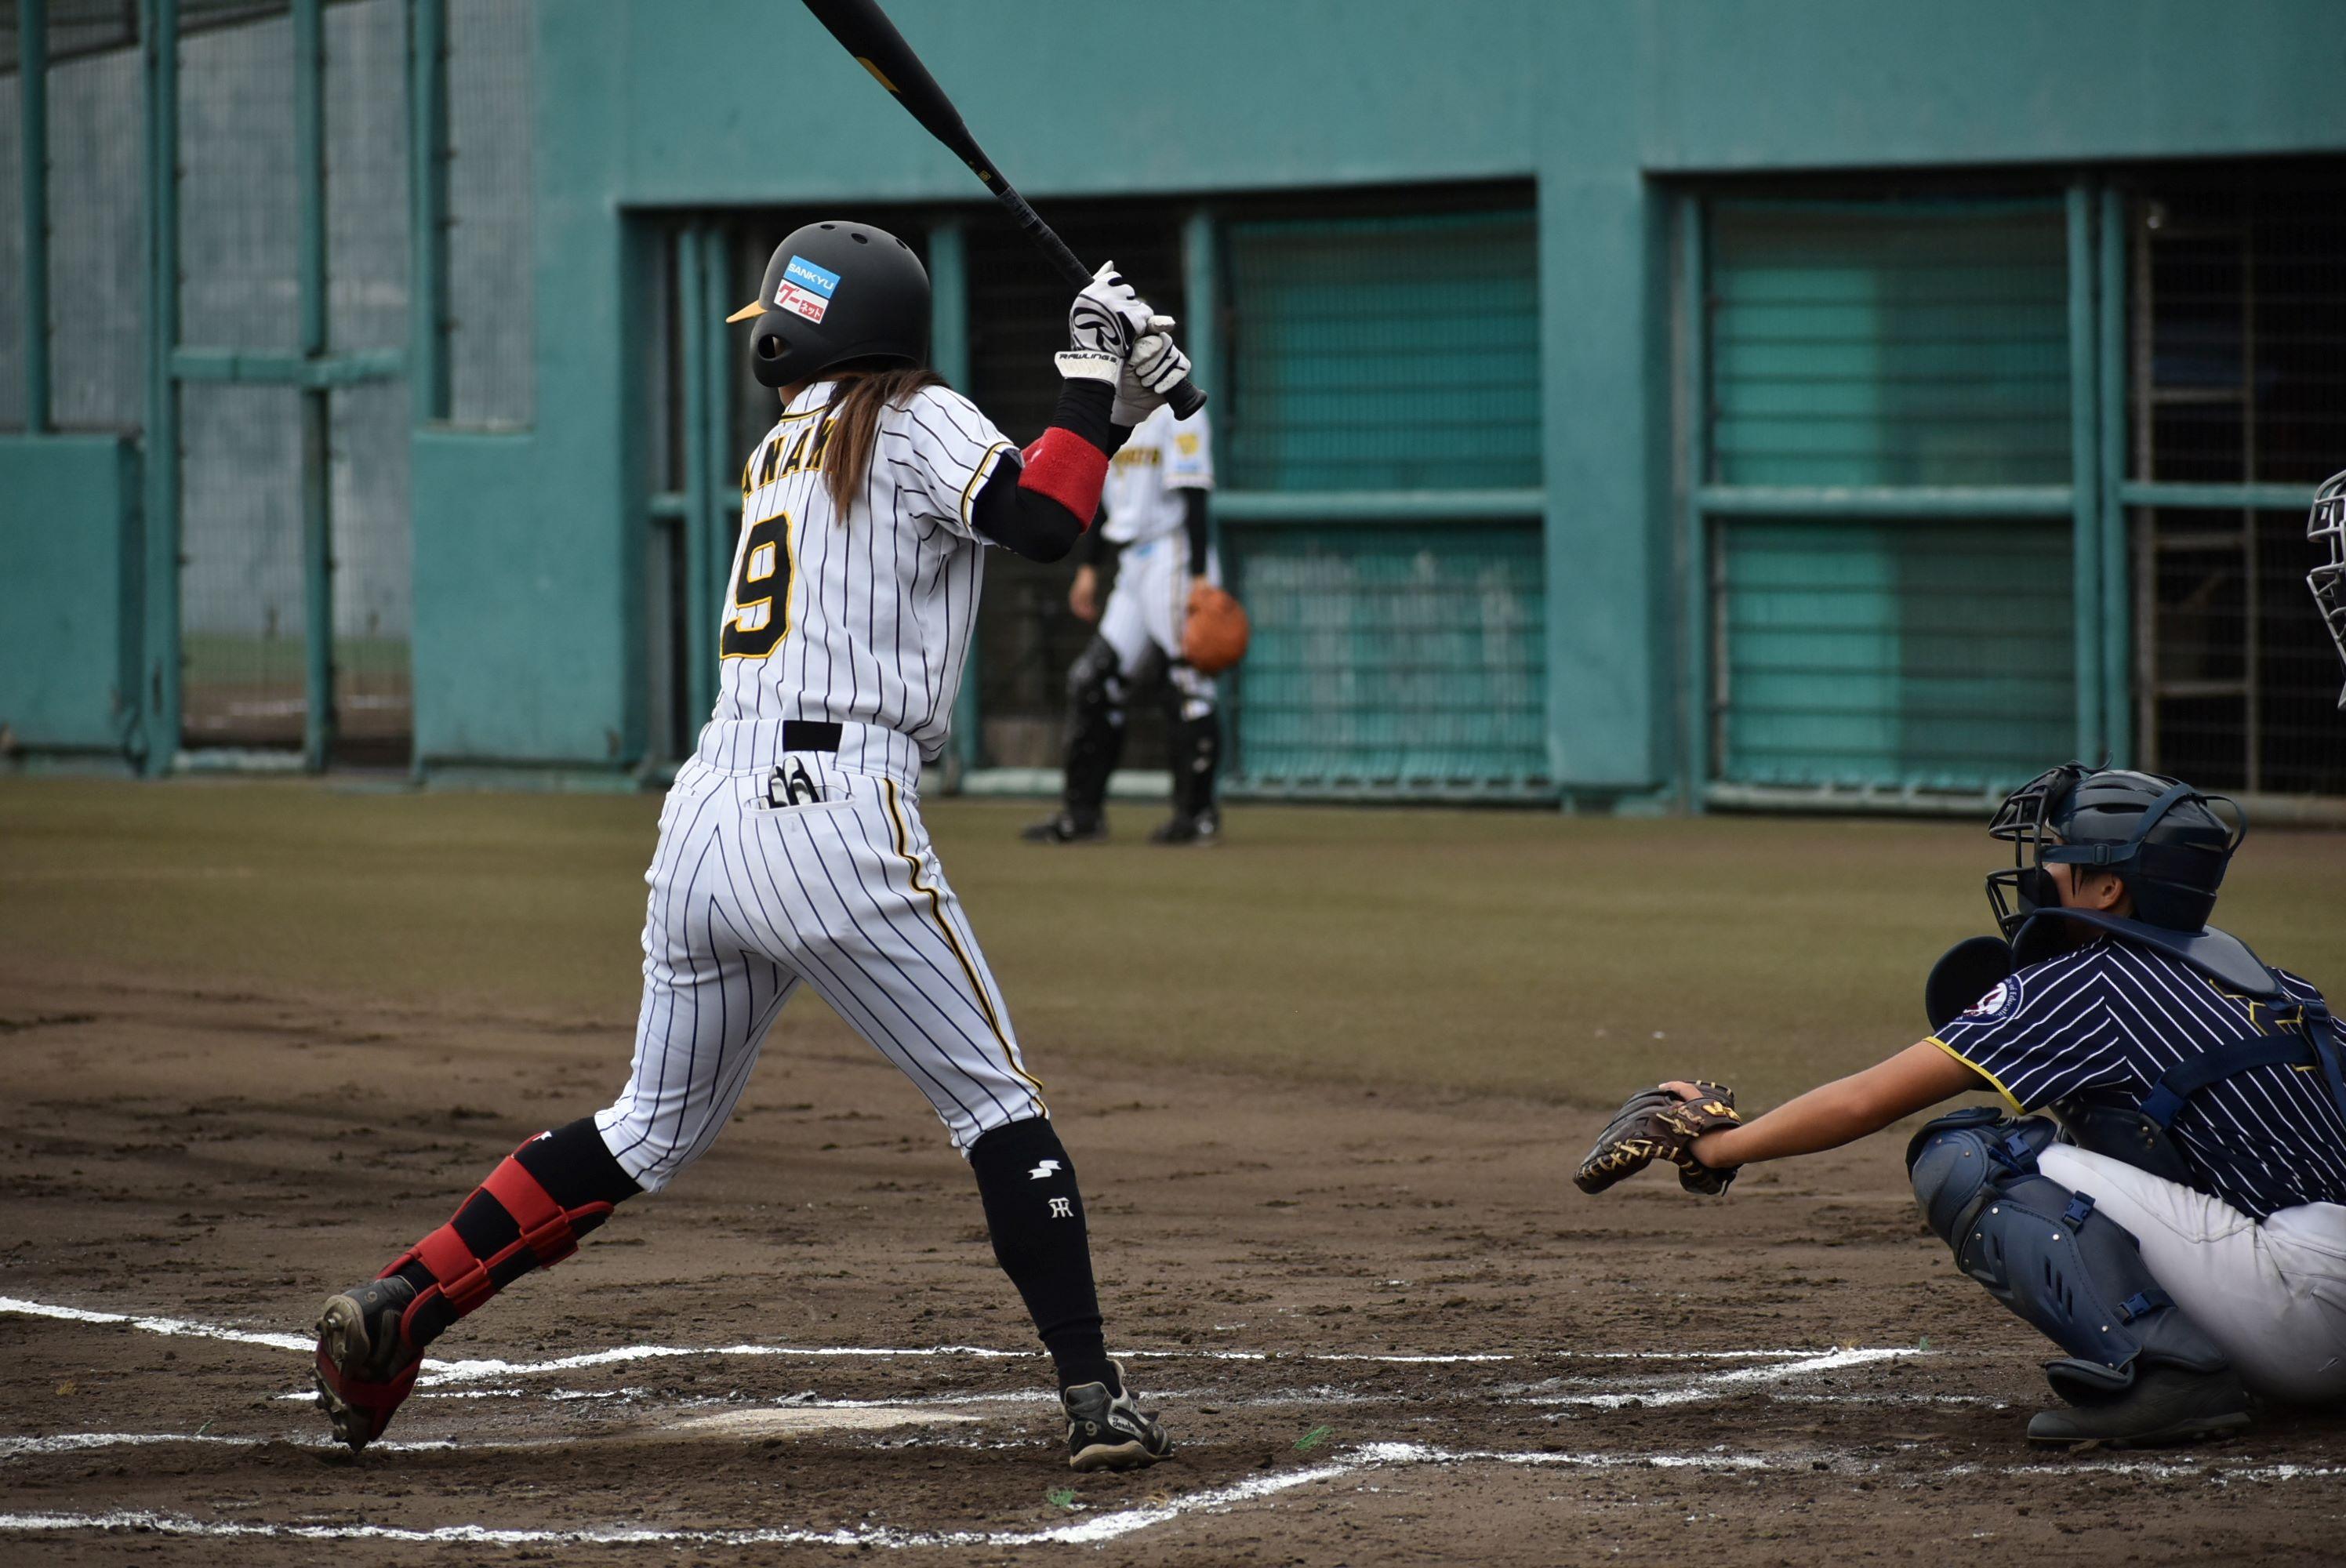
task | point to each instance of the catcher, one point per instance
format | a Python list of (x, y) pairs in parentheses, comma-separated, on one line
[(1169, 613), (2174, 1225)]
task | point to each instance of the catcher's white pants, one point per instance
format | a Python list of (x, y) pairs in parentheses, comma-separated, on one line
[(753, 895), (2271, 1296), (1150, 607)]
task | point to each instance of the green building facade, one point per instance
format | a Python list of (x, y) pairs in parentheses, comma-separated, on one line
[(1627, 403)]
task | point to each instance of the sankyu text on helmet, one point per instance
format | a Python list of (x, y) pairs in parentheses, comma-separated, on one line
[(837, 292), (2159, 834), (2326, 528)]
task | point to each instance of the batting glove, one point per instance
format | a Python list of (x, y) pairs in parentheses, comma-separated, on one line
[(1108, 317), (1154, 368)]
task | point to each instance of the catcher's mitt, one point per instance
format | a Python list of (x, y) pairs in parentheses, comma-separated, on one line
[(1657, 1124), (1214, 637)]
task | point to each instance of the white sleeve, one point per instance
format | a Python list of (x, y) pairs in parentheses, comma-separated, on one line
[(937, 451), (1189, 454)]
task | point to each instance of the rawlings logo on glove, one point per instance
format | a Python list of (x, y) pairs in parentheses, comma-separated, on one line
[(1656, 1123)]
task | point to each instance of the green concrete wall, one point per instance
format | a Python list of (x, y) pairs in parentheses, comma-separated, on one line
[(529, 624), (737, 102), (69, 611)]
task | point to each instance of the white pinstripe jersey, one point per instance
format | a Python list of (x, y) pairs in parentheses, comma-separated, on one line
[(1164, 456), (2110, 1015), (860, 619)]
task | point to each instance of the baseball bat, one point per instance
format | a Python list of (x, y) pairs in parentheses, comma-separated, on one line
[(864, 31)]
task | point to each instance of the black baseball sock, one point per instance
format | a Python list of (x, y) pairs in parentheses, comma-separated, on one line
[(1036, 1214)]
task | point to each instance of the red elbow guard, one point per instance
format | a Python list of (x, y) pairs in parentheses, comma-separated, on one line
[(1068, 469)]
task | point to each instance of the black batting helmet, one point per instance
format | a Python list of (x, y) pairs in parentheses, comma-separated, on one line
[(2158, 833), (837, 291)]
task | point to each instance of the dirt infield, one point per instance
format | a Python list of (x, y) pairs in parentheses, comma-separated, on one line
[(1380, 1323)]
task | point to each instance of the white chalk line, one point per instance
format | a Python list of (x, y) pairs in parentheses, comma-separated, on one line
[(1121, 1522), (438, 1372), (1694, 1390), (1080, 1533)]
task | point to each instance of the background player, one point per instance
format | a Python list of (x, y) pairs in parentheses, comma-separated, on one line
[(791, 851), (2180, 1233), (1156, 501)]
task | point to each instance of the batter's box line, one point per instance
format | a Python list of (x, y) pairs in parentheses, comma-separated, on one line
[(470, 1369), (1104, 1527)]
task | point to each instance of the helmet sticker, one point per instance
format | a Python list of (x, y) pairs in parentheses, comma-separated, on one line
[(2000, 1000), (806, 289)]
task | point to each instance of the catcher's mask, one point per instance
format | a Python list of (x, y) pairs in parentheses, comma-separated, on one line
[(2159, 834), (2326, 528), (837, 291)]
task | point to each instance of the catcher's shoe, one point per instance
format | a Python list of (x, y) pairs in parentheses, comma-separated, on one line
[(2166, 1405), (1066, 827), (1201, 832), (1105, 1434), (365, 1365)]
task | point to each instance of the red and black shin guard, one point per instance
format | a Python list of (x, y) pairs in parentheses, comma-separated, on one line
[(531, 1211), (529, 1214)]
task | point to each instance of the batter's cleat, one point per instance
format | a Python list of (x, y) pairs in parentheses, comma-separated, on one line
[(1201, 832), (1066, 827), (2166, 1405), (1105, 1434), (365, 1365)]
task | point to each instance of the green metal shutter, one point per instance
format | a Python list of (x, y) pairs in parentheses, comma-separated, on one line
[(1931, 656), (1394, 661), (1889, 344), (1385, 354)]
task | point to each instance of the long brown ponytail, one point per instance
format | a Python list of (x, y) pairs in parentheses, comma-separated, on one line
[(856, 403)]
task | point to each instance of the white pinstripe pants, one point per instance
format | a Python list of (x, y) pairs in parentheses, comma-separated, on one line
[(750, 900), (1149, 607)]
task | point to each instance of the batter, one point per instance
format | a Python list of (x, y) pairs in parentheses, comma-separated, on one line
[(791, 851)]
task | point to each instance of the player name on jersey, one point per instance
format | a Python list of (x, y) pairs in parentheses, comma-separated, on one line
[(861, 618)]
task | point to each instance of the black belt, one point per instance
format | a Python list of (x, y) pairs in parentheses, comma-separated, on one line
[(809, 735)]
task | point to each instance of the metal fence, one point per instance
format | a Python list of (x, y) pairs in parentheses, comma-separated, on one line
[(2236, 394), (1027, 635), (12, 232), (491, 280), (1976, 478), (98, 231), (277, 140), (1394, 660), (1381, 450)]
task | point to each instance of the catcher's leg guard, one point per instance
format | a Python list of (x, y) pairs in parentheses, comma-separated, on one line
[(530, 1212), (1095, 710), (2042, 1250), (1196, 733)]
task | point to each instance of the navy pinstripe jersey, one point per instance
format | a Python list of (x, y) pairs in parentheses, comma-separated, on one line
[(2110, 1015)]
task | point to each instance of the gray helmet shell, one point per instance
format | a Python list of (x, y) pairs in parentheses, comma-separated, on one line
[(835, 293)]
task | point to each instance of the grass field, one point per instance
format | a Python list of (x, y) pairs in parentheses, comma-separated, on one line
[(1517, 951)]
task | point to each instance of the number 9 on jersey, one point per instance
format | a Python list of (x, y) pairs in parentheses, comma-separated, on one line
[(758, 616)]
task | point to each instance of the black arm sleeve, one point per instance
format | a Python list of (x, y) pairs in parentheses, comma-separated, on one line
[(1193, 522), (1025, 522), (1095, 550)]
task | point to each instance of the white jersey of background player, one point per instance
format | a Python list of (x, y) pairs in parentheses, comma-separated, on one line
[(1156, 507), (791, 851)]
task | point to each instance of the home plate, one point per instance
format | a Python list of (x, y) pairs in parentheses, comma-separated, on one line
[(792, 1420)]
